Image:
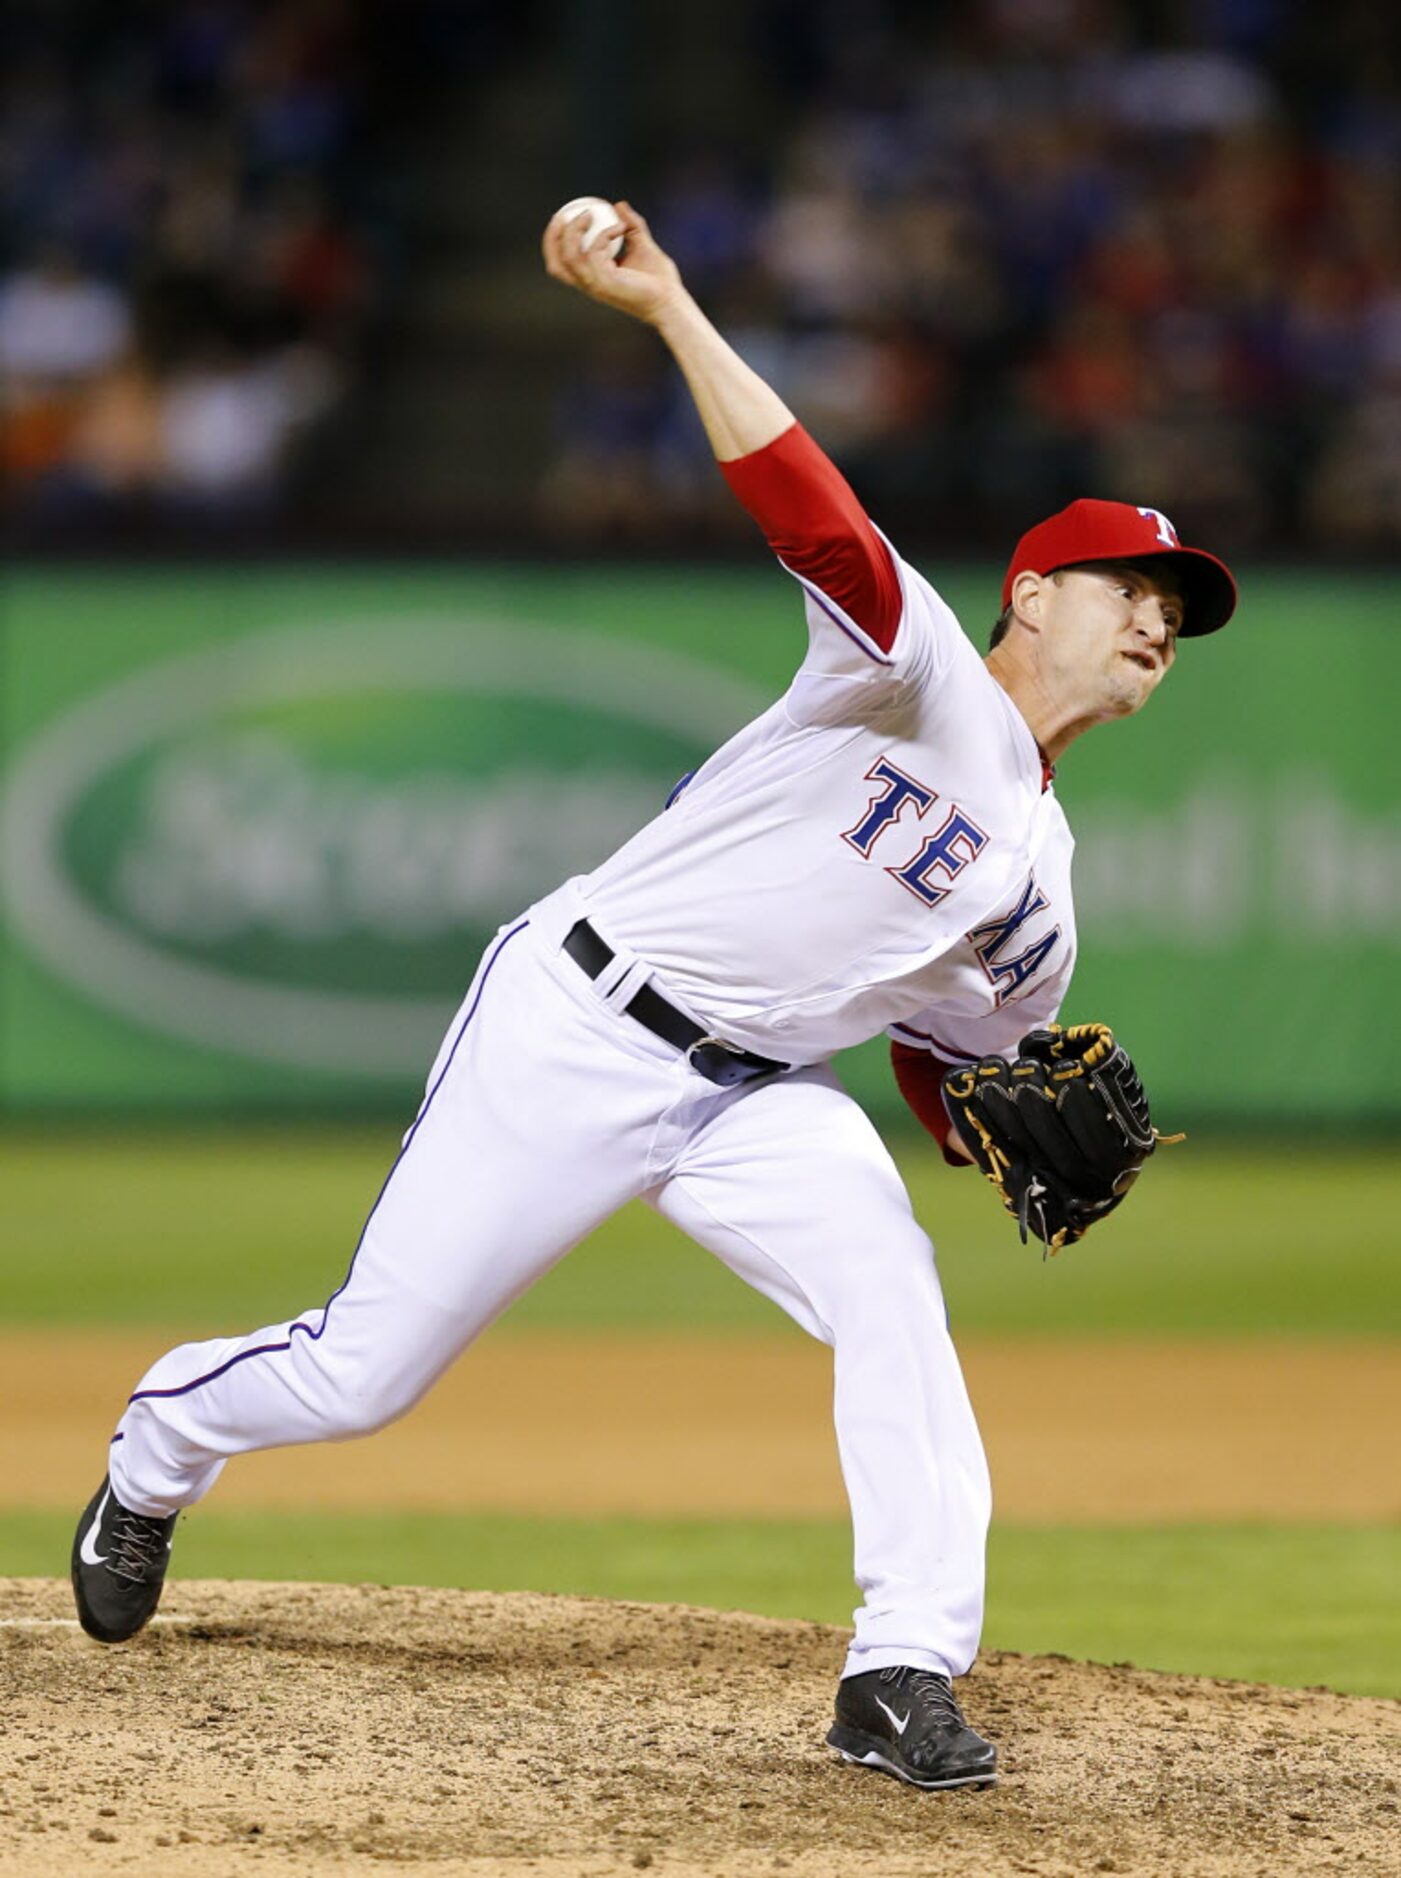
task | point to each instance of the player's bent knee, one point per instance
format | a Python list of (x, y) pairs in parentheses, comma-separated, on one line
[(891, 1287)]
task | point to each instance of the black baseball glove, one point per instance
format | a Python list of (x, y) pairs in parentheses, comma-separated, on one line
[(1061, 1133)]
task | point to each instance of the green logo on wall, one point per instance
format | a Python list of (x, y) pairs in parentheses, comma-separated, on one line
[(294, 845)]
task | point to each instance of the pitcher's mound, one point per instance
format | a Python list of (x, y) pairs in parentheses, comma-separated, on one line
[(318, 1729)]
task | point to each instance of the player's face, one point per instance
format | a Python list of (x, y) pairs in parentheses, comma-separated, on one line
[(1113, 633)]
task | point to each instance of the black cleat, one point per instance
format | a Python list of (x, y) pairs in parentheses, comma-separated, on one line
[(907, 1722), (119, 1561)]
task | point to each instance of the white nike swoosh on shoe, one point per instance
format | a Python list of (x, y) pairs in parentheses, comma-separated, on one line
[(88, 1551), (898, 1722)]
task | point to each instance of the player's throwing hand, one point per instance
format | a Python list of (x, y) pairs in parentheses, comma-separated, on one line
[(642, 281)]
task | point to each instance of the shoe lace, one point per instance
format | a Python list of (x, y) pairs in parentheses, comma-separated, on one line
[(137, 1545), (933, 1692)]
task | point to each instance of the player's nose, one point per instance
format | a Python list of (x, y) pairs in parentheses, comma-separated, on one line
[(1151, 620)]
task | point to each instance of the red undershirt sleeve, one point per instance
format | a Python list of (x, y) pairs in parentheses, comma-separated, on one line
[(919, 1076), (813, 522)]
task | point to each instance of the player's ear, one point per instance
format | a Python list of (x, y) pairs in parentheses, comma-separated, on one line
[(1028, 598)]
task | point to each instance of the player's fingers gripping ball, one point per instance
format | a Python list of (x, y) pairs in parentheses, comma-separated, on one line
[(594, 215), (1062, 1132)]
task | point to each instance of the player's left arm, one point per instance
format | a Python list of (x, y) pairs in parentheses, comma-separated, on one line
[(807, 510), (919, 1076)]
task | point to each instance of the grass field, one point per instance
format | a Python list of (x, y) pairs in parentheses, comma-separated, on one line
[(206, 1231), (225, 1229)]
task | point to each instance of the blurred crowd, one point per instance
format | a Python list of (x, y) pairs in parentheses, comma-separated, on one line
[(194, 250), (1012, 253), (997, 253)]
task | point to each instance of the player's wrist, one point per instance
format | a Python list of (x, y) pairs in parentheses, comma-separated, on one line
[(675, 314)]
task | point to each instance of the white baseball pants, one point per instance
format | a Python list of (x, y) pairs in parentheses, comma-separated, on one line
[(546, 1110)]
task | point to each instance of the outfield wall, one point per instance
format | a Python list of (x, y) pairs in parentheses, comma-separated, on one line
[(258, 823)]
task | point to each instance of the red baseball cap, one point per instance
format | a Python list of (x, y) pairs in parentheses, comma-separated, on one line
[(1117, 531)]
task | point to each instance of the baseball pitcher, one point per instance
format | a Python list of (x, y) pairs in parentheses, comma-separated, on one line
[(881, 850)]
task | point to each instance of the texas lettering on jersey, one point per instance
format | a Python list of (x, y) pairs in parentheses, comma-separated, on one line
[(956, 842)]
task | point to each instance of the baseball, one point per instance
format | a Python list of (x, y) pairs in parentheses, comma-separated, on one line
[(600, 215)]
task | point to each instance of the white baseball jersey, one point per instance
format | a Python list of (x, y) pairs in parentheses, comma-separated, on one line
[(879, 850)]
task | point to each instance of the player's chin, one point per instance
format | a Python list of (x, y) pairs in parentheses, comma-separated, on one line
[(1130, 688), (1118, 702)]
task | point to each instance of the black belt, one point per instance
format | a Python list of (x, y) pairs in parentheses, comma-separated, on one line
[(718, 1062)]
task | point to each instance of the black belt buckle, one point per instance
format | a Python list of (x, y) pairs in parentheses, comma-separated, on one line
[(721, 1063)]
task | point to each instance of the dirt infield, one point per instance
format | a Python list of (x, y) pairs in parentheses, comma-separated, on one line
[(1122, 1429), (318, 1730)]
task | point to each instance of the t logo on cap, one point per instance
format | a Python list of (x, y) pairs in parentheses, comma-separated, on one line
[(1167, 534)]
